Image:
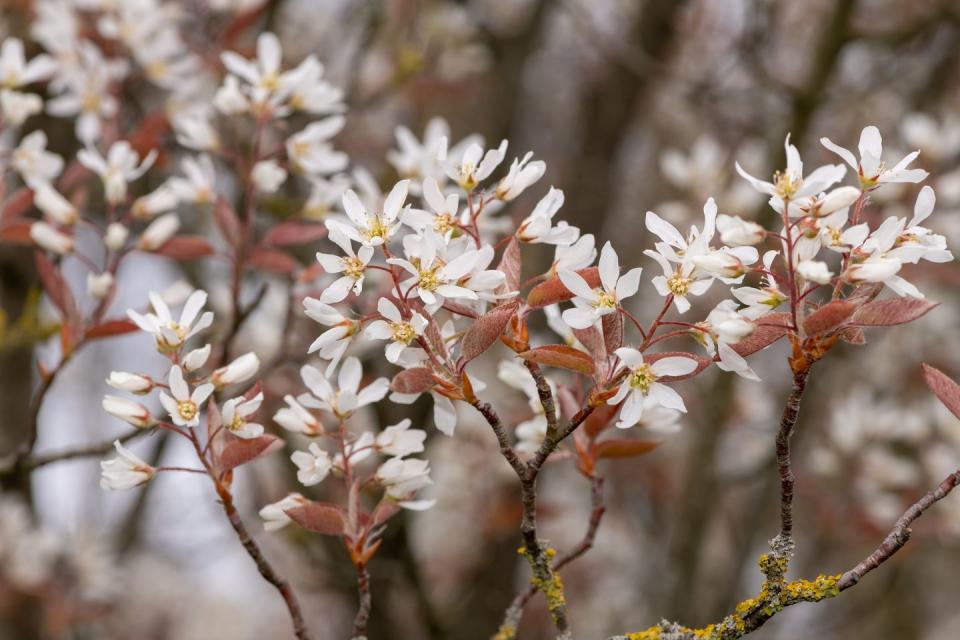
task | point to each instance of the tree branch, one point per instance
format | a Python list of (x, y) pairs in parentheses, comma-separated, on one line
[(783, 543)]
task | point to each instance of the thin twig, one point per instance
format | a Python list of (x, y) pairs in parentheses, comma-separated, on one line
[(363, 611), (783, 543), (35, 462)]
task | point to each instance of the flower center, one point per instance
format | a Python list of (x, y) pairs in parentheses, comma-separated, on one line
[(785, 184), (376, 228), (430, 277), (834, 235), (237, 422), (187, 409), (678, 285), (403, 332), (605, 300), (443, 223), (354, 268), (642, 378)]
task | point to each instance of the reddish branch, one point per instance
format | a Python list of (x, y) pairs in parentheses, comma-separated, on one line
[(363, 611), (788, 421)]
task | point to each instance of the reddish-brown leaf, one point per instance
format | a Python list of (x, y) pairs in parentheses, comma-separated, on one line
[(17, 233), (623, 447), (185, 247), (415, 380), (319, 517), (702, 363), (943, 387), (238, 451), (553, 291), (828, 317), (294, 233), (612, 324), (17, 204), (273, 261), (486, 330), (109, 328), (600, 419), (592, 339), (459, 309), (770, 328), (510, 266), (882, 313), (227, 221), (562, 356), (853, 335)]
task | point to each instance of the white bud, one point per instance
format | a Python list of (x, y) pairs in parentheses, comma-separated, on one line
[(240, 370), (126, 471), (267, 176), (17, 107), (839, 198), (50, 238), (159, 200), (735, 231), (54, 205), (131, 382), (116, 236), (720, 264), (159, 231), (197, 358), (99, 285), (814, 271), (129, 411), (876, 270)]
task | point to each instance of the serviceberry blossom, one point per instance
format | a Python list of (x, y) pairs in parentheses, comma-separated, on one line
[(425, 159), (791, 184), (235, 414), (131, 412), (371, 230), (394, 327), (641, 382), (184, 405), (170, 334), (474, 166), (33, 162), (523, 174), (403, 478), (126, 471), (121, 166), (130, 382), (400, 440), (538, 226), (871, 170), (237, 371), (348, 397), (576, 256), (352, 265), (294, 417), (332, 342), (275, 515), (313, 465), (591, 304)]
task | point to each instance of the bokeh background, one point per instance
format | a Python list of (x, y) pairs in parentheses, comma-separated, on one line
[(634, 105)]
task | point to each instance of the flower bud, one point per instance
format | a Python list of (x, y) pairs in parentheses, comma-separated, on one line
[(132, 382), (736, 231), (240, 370), (721, 264), (196, 358), (129, 411), (99, 285), (814, 271), (876, 270), (267, 176), (159, 200), (53, 205), (49, 238), (159, 231), (116, 236), (126, 471)]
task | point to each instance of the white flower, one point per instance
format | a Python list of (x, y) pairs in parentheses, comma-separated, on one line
[(131, 412), (433, 277), (229, 99), (404, 477), (592, 304), (376, 229), (99, 285), (239, 370), (870, 169), (444, 411), (340, 327), (236, 411), (727, 263), (121, 166), (444, 217), (352, 265), (475, 166), (814, 271), (310, 150), (195, 359), (263, 72), (915, 243), (116, 236), (537, 227), (790, 184), (161, 199), (15, 71), (170, 333), (159, 232), (401, 332), (132, 382), (194, 130), (309, 92), (295, 418), (198, 184), (824, 204), (53, 205), (51, 239), (678, 281), (274, 514), (400, 440), (183, 406), (33, 162), (725, 326), (357, 451), (736, 231), (313, 466), (16, 106), (673, 246), (423, 160), (268, 175), (761, 300), (349, 397), (576, 256), (641, 383), (126, 471), (522, 174)]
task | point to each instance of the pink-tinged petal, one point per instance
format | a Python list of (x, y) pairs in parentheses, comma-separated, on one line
[(609, 267), (664, 230), (628, 284), (630, 357), (388, 310), (631, 411), (350, 374), (337, 290), (178, 386), (578, 318), (667, 397), (395, 199), (673, 366), (577, 285)]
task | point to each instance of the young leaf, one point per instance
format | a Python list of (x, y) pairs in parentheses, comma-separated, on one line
[(319, 517), (238, 451), (485, 331), (227, 221), (601, 418), (553, 291), (770, 328), (943, 387), (109, 328), (185, 247), (882, 313), (612, 324), (273, 261), (562, 356), (294, 233), (828, 317), (623, 447), (510, 266), (415, 380)]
